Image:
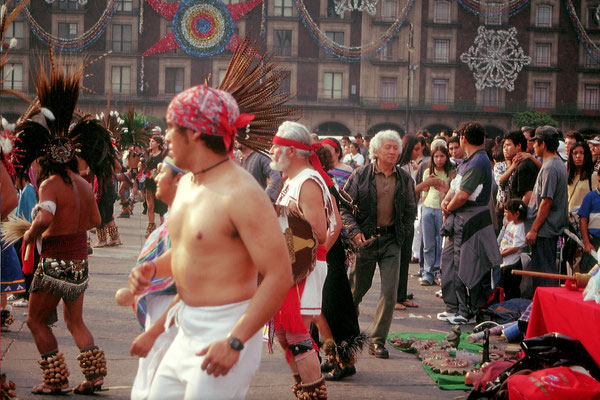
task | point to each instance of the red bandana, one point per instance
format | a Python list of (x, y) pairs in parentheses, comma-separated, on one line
[(314, 159), (332, 144), (209, 111)]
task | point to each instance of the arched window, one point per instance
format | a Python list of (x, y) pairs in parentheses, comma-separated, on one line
[(543, 15), (441, 12)]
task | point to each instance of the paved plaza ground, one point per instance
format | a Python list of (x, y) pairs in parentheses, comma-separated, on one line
[(114, 328)]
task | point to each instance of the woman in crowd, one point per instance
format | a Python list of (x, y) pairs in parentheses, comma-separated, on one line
[(155, 156), (354, 159), (340, 171), (435, 184), (410, 152), (582, 178)]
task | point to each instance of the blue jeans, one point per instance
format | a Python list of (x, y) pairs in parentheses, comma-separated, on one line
[(432, 241)]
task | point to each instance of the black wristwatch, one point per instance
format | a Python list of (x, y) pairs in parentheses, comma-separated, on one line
[(235, 343)]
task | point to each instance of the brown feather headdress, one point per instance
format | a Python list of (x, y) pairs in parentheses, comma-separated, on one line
[(254, 82), (59, 140)]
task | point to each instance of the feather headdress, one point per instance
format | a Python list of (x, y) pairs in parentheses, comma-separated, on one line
[(134, 129), (59, 139), (254, 82)]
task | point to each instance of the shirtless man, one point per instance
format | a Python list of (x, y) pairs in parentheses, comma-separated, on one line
[(306, 193), (66, 210), (224, 233)]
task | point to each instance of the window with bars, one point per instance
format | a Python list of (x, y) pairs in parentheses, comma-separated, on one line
[(591, 97), (282, 8), (13, 76), (121, 79), (589, 61), (543, 15), (543, 54), (335, 36), (492, 19), (388, 53), (67, 30), (388, 89), (440, 91), (174, 79), (282, 42), (331, 10), (121, 38), (16, 30), (541, 94), (491, 97), (389, 10), (441, 50), (441, 12), (125, 5), (332, 85), (68, 5), (593, 20)]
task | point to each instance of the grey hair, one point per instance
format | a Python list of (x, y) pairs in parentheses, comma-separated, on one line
[(378, 139), (298, 132)]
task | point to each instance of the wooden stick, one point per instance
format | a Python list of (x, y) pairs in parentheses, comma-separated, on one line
[(541, 274)]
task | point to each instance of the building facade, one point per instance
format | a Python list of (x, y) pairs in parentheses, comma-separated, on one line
[(416, 79)]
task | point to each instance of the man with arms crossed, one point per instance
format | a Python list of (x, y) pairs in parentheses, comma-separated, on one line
[(218, 248)]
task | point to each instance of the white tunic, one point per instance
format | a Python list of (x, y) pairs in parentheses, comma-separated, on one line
[(310, 303)]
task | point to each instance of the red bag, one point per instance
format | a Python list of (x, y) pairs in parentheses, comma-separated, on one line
[(553, 384)]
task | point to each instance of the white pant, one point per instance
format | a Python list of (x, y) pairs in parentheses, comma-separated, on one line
[(312, 296), (179, 375), (156, 305)]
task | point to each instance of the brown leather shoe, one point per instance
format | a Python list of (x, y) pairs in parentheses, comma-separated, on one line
[(378, 350)]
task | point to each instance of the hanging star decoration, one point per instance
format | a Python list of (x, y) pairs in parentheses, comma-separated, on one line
[(201, 28), (496, 59)]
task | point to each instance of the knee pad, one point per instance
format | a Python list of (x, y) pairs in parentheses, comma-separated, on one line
[(301, 345)]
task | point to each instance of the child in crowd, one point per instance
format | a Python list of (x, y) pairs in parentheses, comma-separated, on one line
[(511, 246), (435, 184)]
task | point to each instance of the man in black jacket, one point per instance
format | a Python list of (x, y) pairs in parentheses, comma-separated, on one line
[(386, 205)]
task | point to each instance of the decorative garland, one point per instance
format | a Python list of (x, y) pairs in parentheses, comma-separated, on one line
[(591, 47), (479, 7), (350, 53), (80, 42)]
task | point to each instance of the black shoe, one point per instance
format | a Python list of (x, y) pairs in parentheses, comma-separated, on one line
[(340, 373), (327, 366), (378, 350)]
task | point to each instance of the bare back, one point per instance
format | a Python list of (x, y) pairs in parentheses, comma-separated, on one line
[(219, 228), (76, 209)]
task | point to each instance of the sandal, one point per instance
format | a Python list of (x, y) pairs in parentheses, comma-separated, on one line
[(51, 390), (399, 307), (410, 303), (88, 387)]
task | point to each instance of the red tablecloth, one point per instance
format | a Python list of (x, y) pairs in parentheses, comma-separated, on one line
[(564, 311)]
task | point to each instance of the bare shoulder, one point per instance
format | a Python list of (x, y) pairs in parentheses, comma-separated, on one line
[(311, 190)]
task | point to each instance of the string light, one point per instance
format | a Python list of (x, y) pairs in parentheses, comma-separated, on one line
[(370, 6), (591, 47), (80, 42), (492, 8), (351, 53)]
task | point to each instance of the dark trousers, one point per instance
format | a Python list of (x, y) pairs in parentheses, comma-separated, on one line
[(509, 282), (457, 297), (405, 256), (543, 259), (385, 252)]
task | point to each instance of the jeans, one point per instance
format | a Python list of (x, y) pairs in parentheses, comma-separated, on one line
[(385, 252), (432, 241)]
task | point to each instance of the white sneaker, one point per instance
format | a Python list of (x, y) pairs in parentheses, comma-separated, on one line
[(444, 316), (21, 303), (457, 320), (439, 293)]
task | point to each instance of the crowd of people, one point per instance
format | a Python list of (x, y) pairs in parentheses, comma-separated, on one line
[(467, 208)]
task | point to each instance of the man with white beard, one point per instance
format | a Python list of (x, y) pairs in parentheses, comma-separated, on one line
[(305, 193)]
